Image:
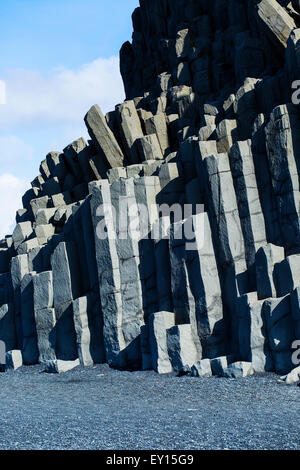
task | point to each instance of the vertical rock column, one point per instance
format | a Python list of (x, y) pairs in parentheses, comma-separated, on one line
[(108, 267), (283, 143), (227, 233), (250, 212), (44, 314), (18, 269), (65, 289)]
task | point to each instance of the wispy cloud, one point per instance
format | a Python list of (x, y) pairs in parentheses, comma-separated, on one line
[(62, 95), (44, 112), (11, 192)]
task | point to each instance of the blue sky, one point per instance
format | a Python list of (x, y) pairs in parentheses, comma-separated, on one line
[(58, 57)]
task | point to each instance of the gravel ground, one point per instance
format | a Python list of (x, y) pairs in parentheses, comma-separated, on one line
[(100, 408)]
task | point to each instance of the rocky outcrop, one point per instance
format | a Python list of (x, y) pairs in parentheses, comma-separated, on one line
[(171, 239)]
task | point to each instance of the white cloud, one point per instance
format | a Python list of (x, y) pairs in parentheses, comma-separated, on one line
[(11, 192), (44, 112), (62, 95)]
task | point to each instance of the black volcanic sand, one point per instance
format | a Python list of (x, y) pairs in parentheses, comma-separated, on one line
[(101, 408)]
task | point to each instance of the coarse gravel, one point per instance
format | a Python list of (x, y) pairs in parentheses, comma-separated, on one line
[(101, 408)]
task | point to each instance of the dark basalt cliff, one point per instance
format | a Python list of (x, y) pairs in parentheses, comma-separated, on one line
[(211, 118)]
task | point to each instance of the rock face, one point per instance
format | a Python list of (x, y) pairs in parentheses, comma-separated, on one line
[(171, 239)]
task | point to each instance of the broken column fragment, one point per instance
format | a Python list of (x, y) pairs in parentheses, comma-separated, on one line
[(181, 349), (252, 333), (110, 154), (159, 323), (267, 257), (130, 130)]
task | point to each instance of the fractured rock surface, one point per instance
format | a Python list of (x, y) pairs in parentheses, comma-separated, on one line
[(100, 266)]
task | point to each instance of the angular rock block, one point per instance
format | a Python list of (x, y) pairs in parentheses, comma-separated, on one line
[(108, 268), (27, 246), (218, 365), (279, 24), (163, 267), (43, 233), (245, 107), (288, 275), (72, 161), (65, 273), (115, 173), (6, 290), (223, 211), (44, 170), (58, 366), (110, 154), (14, 359), (7, 326), (56, 165), (39, 203), (130, 129), (148, 148), (250, 211), (83, 334), (4, 261), (292, 54), (201, 368), (196, 285), (21, 232), (238, 370), (43, 290), (18, 268), (280, 332), (43, 216), (65, 334), (181, 349), (282, 142), (30, 195), (226, 135), (252, 333), (291, 378), (267, 257), (295, 308), (29, 336), (61, 199), (46, 334), (159, 323), (158, 125), (188, 155), (51, 186)]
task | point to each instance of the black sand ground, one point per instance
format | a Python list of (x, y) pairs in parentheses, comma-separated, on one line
[(100, 408)]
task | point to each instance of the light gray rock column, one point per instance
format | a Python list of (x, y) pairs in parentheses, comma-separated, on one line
[(159, 323), (181, 348), (29, 346), (8, 326), (108, 269), (250, 211), (252, 333), (110, 154), (280, 332), (282, 139), (130, 129), (267, 258), (287, 275), (46, 334)]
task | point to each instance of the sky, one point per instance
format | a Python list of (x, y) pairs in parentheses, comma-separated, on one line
[(58, 58)]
